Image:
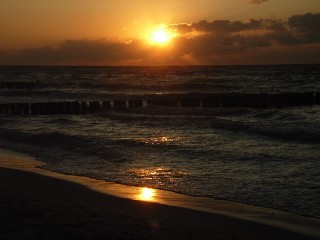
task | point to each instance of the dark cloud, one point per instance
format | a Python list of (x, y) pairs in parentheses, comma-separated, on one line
[(225, 26), (205, 39), (216, 26), (257, 1), (182, 28), (200, 42), (307, 27), (278, 31), (300, 29), (79, 51)]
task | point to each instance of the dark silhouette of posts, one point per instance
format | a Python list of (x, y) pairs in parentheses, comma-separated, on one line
[(94, 107), (84, 108), (120, 104), (18, 85), (190, 102), (205, 101), (165, 102), (106, 105), (75, 107), (135, 103)]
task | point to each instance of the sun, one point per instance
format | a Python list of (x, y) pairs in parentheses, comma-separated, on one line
[(160, 36)]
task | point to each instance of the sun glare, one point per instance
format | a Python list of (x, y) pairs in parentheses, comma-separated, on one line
[(147, 194), (161, 36)]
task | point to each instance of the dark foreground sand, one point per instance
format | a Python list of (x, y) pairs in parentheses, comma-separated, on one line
[(39, 207)]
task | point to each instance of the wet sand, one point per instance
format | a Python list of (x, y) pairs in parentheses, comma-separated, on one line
[(38, 204)]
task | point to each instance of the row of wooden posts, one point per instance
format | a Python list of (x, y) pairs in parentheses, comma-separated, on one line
[(18, 85), (65, 107), (208, 101)]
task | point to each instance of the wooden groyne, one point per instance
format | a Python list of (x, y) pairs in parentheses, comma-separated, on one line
[(67, 107), (18, 85), (186, 101)]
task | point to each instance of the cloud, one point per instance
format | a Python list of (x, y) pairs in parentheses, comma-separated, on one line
[(79, 52), (202, 42), (299, 29), (225, 26), (221, 38), (306, 27), (257, 1)]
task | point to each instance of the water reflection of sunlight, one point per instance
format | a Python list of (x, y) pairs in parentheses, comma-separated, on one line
[(160, 140), (147, 194)]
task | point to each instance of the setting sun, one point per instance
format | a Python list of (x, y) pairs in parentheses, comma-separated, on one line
[(161, 36)]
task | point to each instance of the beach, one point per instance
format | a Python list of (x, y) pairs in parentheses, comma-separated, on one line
[(160, 120), (35, 206), (220, 132)]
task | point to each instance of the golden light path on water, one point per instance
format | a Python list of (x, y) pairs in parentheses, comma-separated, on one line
[(154, 173), (159, 140), (146, 194)]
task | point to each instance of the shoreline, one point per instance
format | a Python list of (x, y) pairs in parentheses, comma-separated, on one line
[(278, 222)]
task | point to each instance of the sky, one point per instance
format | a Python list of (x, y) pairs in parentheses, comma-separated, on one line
[(118, 32)]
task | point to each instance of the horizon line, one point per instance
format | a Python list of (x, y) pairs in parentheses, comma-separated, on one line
[(187, 65)]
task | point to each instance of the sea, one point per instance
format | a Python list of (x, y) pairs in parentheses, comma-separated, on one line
[(261, 156)]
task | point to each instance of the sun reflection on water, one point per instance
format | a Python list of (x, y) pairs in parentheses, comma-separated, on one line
[(160, 140), (147, 194)]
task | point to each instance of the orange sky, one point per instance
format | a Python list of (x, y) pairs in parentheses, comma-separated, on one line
[(64, 26)]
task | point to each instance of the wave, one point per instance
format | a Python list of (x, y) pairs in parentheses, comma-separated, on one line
[(110, 149), (157, 113), (54, 147), (63, 120), (50, 139), (282, 132), (278, 115), (56, 143)]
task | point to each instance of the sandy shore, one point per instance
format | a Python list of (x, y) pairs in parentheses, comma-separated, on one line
[(35, 206)]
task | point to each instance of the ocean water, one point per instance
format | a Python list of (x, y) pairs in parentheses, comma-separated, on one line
[(266, 157)]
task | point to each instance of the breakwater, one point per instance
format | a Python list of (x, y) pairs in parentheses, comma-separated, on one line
[(19, 85), (165, 100)]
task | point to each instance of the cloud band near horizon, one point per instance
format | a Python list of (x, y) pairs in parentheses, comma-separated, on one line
[(257, 1), (262, 41)]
